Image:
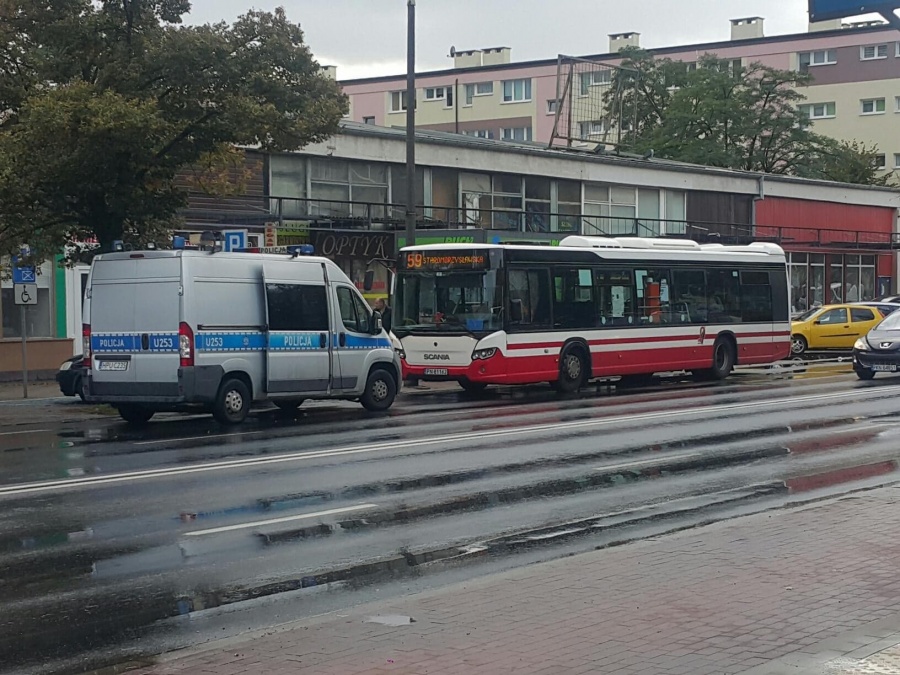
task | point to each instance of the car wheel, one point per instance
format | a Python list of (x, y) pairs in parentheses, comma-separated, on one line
[(799, 345), (381, 389), (135, 414), (81, 388), (864, 373), (232, 402), (572, 371)]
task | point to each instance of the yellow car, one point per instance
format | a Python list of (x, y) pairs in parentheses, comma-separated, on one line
[(832, 327)]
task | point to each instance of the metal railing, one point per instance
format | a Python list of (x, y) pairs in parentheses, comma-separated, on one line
[(340, 214)]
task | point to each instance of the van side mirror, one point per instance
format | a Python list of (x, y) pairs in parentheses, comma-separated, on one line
[(375, 324), (369, 280)]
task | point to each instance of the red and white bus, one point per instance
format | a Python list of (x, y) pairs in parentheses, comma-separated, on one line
[(590, 307)]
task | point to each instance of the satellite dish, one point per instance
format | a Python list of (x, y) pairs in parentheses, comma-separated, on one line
[(452, 51)]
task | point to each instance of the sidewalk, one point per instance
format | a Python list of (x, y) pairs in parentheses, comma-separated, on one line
[(806, 591)]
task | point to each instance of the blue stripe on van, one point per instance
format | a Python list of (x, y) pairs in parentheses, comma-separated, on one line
[(125, 343), (240, 341), (296, 342), (355, 342)]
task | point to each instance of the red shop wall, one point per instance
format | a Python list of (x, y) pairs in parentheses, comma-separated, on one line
[(799, 222)]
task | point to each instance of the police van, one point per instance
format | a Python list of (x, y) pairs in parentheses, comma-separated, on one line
[(181, 329)]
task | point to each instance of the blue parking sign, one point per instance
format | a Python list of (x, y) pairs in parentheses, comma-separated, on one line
[(26, 274), (234, 239)]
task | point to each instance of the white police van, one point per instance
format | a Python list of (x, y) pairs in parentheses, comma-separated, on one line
[(174, 330)]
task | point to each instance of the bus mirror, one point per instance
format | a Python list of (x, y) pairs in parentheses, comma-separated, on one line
[(369, 280)]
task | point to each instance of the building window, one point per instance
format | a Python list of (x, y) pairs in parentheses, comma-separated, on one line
[(434, 93), (819, 111), (897, 104), (478, 89), (591, 128), (479, 133), (609, 209), (516, 134), (398, 101), (516, 91), (825, 57), (552, 106), (735, 67), (38, 318), (594, 78), (873, 52), (880, 161), (333, 183), (872, 106), (369, 120)]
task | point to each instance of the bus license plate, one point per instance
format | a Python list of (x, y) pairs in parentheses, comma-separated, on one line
[(884, 368), (112, 365), (437, 371)]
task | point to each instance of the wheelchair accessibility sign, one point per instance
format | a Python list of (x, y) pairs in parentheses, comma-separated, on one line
[(26, 294)]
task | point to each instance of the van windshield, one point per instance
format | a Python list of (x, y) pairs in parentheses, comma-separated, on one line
[(458, 301)]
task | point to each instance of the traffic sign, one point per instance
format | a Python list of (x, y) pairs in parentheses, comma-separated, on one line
[(234, 240), (26, 274), (26, 294)]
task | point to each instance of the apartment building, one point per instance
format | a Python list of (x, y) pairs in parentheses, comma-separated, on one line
[(855, 93)]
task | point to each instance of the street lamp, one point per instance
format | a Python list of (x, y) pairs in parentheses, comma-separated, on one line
[(410, 122)]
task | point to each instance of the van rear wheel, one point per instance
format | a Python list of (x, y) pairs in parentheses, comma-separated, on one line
[(135, 414), (232, 403), (381, 389)]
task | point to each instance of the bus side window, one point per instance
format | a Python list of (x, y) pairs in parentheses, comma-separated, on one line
[(614, 291), (689, 303), (529, 298)]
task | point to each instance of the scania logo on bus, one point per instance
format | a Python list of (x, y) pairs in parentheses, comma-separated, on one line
[(436, 357)]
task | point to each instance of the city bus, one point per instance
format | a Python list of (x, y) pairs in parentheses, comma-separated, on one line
[(592, 307)]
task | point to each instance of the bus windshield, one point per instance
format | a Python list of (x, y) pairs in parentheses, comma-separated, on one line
[(463, 301)]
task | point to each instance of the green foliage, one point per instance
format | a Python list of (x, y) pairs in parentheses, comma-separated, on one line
[(104, 103), (714, 113)]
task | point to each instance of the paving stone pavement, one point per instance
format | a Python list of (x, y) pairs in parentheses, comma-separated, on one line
[(786, 591)]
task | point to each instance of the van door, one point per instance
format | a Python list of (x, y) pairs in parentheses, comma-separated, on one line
[(134, 316), (353, 339), (298, 345)]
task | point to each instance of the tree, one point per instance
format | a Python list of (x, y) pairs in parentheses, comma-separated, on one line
[(718, 114), (104, 103)]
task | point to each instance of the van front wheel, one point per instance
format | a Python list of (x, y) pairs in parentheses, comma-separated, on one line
[(380, 391), (232, 403)]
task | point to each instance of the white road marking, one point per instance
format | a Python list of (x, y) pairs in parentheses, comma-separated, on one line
[(644, 462), (286, 519), (26, 431), (555, 427)]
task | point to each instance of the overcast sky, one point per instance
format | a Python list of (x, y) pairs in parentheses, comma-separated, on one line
[(365, 38)]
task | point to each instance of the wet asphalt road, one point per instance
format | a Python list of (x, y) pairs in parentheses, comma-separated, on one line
[(117, 543)]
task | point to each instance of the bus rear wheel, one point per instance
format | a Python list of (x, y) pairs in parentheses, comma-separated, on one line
[(724, 358), (572, 371)]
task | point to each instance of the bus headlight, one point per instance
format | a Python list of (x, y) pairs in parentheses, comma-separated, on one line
[(483, 354), (861, 345)]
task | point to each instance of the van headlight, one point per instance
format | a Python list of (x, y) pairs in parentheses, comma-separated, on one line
[(400, 352), (861, 345), (483, 354)]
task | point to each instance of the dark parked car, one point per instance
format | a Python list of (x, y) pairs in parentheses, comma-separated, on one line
[(879, 350), (71, 377)]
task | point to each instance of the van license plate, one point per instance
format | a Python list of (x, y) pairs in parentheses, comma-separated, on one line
[(437, 371), (112, 365), (884, 368)]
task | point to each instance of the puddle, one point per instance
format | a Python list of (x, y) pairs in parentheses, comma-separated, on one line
[(391, 620)]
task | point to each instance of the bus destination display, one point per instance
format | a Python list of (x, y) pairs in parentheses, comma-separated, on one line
[(445, 260)]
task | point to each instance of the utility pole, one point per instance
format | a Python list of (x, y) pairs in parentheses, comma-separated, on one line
[(411, 123)]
